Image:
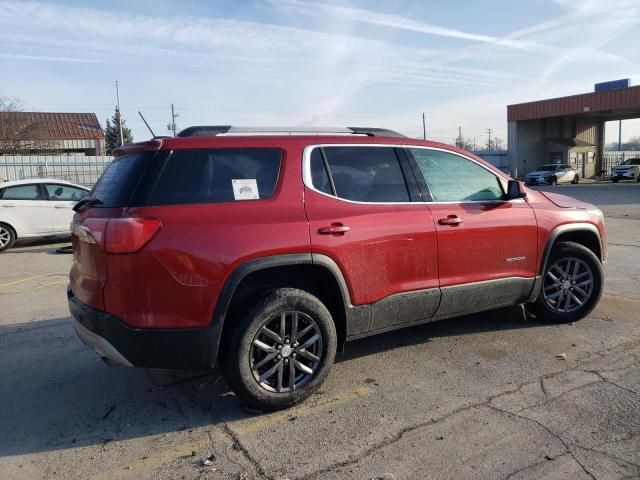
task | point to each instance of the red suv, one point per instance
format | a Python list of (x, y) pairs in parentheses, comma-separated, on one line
[(265, 253)]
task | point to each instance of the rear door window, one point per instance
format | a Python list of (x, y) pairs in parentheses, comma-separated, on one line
[(59, 192), (362, 174), (217, 175)]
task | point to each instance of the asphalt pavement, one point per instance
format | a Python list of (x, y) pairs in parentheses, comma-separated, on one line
[(484, 396)]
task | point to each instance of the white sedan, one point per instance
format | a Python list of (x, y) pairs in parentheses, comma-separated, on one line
[(36, 208)]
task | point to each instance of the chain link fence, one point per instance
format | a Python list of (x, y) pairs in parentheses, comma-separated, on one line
[(83, 170)]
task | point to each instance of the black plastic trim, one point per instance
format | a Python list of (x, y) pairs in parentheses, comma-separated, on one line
[(485, 295), (571, 227), (182, 349)]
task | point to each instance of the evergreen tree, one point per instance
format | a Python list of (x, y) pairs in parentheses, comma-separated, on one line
[(112, 133)]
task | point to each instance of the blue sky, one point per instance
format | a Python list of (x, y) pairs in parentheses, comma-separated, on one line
[(315, 63)]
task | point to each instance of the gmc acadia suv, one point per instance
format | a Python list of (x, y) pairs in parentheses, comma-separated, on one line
[(266, 253)]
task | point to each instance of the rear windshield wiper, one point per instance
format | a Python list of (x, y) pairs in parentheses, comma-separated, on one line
[(87, 202)]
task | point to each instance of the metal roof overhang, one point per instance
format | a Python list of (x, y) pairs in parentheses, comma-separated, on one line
[(619, 104)]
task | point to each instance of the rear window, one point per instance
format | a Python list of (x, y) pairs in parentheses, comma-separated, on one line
[(217, 175), (120, 180)]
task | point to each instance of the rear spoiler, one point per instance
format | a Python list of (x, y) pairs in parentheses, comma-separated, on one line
[(148, 146)]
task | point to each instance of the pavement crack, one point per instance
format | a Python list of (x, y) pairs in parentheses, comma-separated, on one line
[(611, 382), (532, 465), (624, 245), (607, 454), (543, 388), (566, 445), (237, 445)]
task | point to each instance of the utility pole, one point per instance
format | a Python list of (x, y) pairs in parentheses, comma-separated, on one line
[(459, 142), (424, 127), (619, 135), (172, 126), (119, 115), (489, 131)]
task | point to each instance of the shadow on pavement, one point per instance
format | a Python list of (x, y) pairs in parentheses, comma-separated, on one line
[(56, 394)]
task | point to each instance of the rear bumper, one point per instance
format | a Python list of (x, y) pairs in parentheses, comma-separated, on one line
[(181, 349)]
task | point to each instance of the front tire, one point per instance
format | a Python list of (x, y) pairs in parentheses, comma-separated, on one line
[(575, 180), (572, 284), (614, 180), (7, 237), (281, 350), (553, 181)]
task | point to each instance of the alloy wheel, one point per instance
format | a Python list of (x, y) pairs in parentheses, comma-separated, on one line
[(286, 351), (568, 285), (5, 236)]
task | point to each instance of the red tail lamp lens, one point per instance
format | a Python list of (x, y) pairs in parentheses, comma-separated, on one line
[(129, 235)]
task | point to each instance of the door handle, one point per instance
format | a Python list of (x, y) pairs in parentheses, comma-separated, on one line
[(8, 205), (60, 206), (334, 229), (451, 220)]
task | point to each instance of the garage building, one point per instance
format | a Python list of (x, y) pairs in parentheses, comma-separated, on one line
[(568, 129)]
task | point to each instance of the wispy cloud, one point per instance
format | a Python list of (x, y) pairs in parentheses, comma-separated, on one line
[(395, 21), (46, 58)]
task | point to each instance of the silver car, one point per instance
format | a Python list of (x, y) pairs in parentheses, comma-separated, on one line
[(627, 170), (552, 174)]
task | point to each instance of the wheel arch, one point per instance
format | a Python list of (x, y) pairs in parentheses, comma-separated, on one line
[(7, 224), (317, 274), (585, 234)]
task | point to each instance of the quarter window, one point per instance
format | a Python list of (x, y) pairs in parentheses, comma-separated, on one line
[(217, 175), (362, 174), (22, 192), (452, 178)]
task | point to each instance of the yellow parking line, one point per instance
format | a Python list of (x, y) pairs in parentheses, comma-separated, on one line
[(26, 290), (22, 280), (254, 425), (153, 460)]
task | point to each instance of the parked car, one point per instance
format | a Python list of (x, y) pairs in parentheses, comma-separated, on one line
[(266, 253), (627, 170), (552, 174), (36, 208)]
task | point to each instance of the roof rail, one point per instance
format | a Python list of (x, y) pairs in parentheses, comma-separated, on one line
[(213, 130)]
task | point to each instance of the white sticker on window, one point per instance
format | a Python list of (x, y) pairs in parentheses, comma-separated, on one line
[(246, 189)]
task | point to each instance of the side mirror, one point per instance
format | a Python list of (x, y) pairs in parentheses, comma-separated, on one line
[(516, 189)]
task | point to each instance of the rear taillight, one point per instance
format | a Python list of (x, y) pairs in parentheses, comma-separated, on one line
[(128, 235), (117, 235)]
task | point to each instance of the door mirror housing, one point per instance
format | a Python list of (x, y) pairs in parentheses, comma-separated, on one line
[(516, 189)]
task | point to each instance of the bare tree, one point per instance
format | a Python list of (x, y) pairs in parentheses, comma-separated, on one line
[(10, 104), (19, 135)]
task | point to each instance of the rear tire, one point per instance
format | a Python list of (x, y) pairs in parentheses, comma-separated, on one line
[(572, 284), (7, 237), (575, 180), (269, 372)]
